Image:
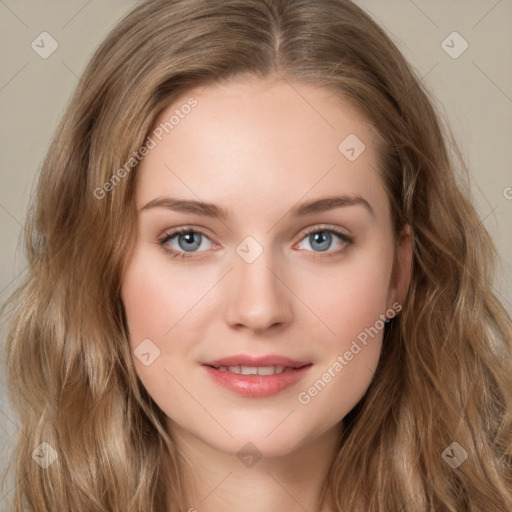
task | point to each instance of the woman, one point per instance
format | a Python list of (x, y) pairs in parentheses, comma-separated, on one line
[(254, 280)]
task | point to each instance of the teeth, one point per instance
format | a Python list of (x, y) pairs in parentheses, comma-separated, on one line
[(248, 370), (255, 370), (266, 370)]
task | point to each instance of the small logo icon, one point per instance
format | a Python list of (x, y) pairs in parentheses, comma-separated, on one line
[(249, 249), (249, 455), (45, 455), (454, 45), (44, 45), (146, 352), (455, 455), (351, 147)]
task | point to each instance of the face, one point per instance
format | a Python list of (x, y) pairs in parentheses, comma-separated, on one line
[(255, 304)]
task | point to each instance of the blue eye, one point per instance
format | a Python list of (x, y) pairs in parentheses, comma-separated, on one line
[(321, 240), (191, 241), (183, 243), (188, 240)]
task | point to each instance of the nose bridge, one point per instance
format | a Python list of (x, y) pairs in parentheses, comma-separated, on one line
[(259, 299)]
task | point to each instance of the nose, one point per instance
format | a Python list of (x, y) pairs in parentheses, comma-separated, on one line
[(259, 299)]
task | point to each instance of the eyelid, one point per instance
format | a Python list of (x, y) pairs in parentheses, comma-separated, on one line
[(323, 227)]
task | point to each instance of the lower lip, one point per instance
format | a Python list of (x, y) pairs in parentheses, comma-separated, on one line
[(257, 386)]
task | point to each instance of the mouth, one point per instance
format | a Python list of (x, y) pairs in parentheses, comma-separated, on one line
[(254, 370), (256, 377)]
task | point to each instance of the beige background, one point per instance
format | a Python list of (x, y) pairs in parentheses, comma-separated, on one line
[(474, 90)]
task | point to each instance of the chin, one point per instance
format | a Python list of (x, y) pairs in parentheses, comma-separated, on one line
[(277, 435)]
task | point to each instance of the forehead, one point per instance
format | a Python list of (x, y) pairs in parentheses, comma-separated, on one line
[(257, 143)]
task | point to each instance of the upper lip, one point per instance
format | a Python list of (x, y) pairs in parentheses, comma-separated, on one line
[(247, 360)]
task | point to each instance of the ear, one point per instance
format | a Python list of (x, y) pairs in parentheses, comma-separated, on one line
[(402, 268)]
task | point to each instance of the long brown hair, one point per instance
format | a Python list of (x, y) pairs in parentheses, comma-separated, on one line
[(445, 374)]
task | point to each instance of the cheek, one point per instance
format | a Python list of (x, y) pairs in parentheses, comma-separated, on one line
[(352, 298), (156, 297), (160, 301), (352, 305), (361, 300), (152, 307)]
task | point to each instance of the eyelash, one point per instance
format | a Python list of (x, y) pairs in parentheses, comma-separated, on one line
[(179, 255)]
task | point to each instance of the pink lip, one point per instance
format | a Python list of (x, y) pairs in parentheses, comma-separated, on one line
[(257, 386)]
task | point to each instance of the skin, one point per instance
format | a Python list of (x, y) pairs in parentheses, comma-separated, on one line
[(256, 148)]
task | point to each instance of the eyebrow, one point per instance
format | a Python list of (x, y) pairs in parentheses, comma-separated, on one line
[(211, 210)]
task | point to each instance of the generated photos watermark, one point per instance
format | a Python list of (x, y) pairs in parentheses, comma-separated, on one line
[(150, 143), (305, 397)]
